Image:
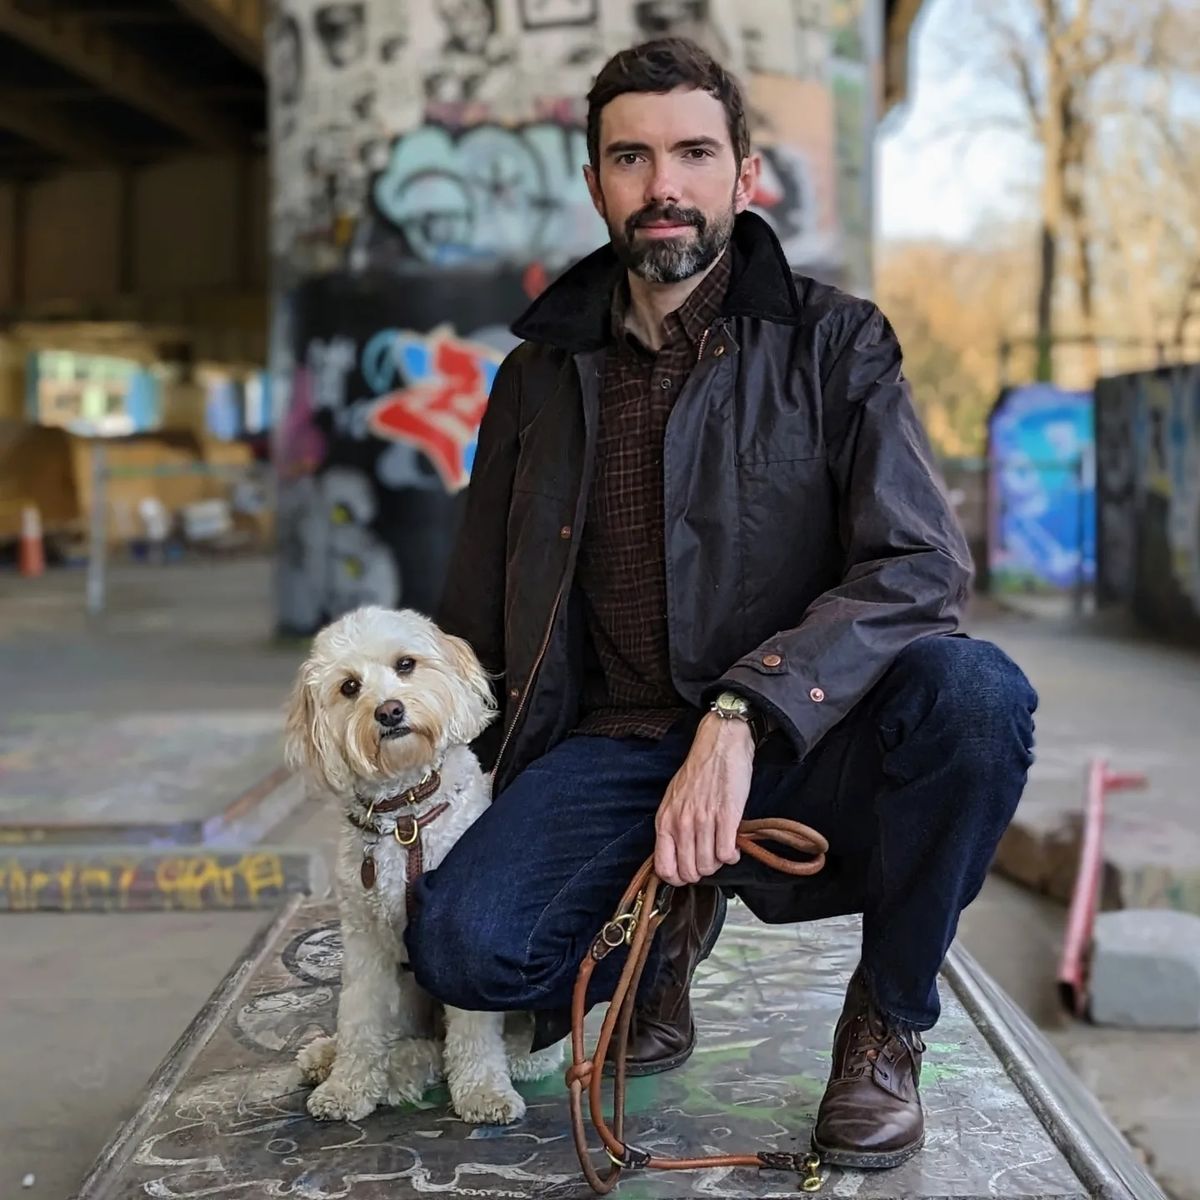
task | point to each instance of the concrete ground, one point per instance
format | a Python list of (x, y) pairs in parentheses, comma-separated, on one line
[(90, 1003)]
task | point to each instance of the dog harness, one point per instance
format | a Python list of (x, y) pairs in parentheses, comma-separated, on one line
[(407, 831)]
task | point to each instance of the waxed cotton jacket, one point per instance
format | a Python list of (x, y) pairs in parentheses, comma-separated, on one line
[(808, 536)]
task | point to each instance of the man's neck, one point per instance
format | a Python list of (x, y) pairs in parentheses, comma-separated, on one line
[(650, 304)]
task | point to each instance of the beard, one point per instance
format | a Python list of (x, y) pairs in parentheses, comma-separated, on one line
[(674, 259)]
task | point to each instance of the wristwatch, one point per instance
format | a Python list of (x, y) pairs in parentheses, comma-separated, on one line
[(729, 706)]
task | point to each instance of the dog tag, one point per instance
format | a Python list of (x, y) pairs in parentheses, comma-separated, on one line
[(367, 873)]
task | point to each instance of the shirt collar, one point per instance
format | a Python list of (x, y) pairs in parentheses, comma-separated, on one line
[(694, 315)]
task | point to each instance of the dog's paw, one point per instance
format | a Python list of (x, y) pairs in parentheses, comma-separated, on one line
[(316, 1059), (414, 1066), (526, 1067), (488, 1102), (340, 1100)]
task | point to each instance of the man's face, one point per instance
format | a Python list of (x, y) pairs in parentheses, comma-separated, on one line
[(667, 184)]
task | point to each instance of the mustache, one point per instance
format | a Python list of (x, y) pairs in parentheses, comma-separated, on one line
[(665, 212)]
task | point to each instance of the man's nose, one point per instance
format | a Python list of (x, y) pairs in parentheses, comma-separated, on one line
[(389, 714), (663, 188)]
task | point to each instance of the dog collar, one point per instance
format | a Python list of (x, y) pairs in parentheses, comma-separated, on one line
[(421, 790)]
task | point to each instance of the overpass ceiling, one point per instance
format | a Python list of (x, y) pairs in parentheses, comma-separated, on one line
[(123, 81)]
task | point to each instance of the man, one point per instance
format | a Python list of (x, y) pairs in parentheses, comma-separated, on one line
[(706, 551)]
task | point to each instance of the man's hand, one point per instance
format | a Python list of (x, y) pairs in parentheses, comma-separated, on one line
[(699, 815)]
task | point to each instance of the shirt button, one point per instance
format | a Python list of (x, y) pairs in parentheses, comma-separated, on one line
[(666, 383), (816, 695), (771, 660), (565, 532)]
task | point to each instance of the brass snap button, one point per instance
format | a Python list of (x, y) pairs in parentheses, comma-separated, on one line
[(771, 660), (514, 693), (565, 532), (718, 351), (816, 695)]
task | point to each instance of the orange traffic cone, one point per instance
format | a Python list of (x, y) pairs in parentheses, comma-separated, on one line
[(32, 557)]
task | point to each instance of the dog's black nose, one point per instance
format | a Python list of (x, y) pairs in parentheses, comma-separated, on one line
[(390, 714)]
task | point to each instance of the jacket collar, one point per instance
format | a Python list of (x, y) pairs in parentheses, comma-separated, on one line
[(574, 313)]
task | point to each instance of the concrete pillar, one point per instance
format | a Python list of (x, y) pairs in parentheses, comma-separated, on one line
[(12, 380), (426, 183)]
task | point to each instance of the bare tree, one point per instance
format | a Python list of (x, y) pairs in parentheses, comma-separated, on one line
[(1071, 65)]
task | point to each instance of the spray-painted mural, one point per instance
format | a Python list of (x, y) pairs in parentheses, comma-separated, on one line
[(1148, 486), (427, 183), (1042, 519)]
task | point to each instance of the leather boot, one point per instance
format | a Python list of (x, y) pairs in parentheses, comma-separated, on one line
[(662, 1034), (870, 1116)]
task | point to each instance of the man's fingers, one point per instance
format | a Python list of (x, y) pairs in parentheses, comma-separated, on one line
[(685, 855), (727, 850), (706, 849), (665, 862)]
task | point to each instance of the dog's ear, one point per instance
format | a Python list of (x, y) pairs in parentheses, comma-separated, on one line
[(297, 727), (470, 670), (307, 746)]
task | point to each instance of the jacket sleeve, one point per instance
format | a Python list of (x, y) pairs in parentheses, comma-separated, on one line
[(472, 602), (907, 568)]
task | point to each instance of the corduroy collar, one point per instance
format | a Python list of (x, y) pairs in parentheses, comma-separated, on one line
[(574, 312)]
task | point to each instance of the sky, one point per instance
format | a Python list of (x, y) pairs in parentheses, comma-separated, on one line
[(932, 182)]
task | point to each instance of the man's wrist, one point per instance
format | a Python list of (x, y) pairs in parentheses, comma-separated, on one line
[(724, 733)]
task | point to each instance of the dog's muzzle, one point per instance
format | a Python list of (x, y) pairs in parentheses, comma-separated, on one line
[(390, 717)]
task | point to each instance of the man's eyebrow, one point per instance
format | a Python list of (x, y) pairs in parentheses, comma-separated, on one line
[(625, 147), (694, 143)]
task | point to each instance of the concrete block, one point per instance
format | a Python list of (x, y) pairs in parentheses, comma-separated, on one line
[(1040, 849), (1150, 862), (1146, 969)]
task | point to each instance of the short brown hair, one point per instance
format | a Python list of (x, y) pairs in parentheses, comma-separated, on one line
[(661, 66)]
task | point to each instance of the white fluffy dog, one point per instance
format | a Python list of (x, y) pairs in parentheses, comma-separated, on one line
[(380, 720)]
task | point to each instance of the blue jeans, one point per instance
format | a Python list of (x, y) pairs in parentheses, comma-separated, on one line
[(913, 789)]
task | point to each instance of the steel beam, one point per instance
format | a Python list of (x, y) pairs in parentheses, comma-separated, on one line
[(238, 24), (48, 129), (119, 71)]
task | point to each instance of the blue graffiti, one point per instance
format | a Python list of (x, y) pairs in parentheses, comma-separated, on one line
[(1042, 460)]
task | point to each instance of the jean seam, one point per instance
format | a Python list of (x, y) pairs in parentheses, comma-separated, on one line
[(550, 903)]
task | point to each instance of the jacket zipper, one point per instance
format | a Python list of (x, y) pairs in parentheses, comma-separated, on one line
[(537, 662), (703, 343)]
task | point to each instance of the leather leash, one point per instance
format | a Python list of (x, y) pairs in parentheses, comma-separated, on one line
[(636, 920)]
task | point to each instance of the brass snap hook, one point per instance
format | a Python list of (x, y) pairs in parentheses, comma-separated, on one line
[(812, 1180), (408, 841)]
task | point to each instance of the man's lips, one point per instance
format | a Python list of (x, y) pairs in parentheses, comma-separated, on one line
[(660, 229)]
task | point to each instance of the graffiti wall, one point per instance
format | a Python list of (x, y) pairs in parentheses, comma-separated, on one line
[(1148, 491), (1042, 492), (427, 184)]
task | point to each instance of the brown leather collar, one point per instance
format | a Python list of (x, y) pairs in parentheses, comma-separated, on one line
[(419, 791)]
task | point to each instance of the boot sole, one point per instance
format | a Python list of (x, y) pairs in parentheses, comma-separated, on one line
[(861, 1160), (657, 1067)]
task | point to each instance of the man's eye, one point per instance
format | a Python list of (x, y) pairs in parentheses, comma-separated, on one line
[(627, 160), (699, 152), (404, 666), (351, 688)]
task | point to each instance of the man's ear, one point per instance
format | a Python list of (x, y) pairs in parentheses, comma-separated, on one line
[(747, 182), (591, 177)]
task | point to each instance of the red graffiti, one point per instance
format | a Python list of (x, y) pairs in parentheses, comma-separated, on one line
[(440, 416)]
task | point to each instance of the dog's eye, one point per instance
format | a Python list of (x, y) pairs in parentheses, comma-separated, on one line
[(404, 666), (351, 688)]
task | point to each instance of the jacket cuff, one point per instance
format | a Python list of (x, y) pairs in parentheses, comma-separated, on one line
[(792, 705)]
